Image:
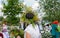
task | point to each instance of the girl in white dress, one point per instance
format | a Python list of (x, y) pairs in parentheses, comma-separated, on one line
[(32, 30)]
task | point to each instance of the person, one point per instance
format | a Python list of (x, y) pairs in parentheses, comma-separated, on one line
[(48, 28), (5, 30), (32, 30), (54, 29)]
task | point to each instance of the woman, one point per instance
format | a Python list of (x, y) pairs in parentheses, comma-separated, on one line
[(32, 30)]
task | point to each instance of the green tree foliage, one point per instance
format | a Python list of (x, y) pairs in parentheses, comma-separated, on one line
[(52, 9), (1, 18), (11, 10)]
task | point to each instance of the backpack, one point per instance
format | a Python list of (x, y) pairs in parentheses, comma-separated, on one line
[(58, 28)]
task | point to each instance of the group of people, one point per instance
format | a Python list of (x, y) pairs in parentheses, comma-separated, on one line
[(33, 30), (4, 32)]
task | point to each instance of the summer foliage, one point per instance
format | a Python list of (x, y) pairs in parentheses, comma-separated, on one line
[(16, 32), (11, 10), (52, 9)]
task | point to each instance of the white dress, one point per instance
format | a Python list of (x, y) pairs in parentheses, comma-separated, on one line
[(34, 32)]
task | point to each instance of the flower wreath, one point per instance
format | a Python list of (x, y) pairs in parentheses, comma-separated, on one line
[(29, 17)]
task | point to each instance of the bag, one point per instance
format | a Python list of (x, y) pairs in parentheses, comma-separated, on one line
[(58, 28)]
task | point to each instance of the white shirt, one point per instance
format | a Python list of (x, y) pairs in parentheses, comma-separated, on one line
[(34, 32)]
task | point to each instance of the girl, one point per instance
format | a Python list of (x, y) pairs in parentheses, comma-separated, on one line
[(32, 30), (5, 30)]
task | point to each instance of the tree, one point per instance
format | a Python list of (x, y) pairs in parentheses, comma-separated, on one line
[(11, 10), (52, 9), (1, 18)]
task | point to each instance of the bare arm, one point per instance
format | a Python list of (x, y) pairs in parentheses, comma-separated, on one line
[(28, 35)]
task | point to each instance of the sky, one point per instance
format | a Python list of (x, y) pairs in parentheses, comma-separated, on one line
[(29, 2), (34, 4)]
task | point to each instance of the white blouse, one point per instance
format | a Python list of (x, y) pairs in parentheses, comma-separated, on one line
[(33, 31)]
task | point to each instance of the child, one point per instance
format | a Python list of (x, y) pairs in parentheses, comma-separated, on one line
[(5, 30)]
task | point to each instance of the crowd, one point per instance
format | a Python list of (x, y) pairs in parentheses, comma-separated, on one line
[(34, 29), (52, 31)]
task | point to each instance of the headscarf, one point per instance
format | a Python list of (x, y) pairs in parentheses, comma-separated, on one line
[(55, 22)]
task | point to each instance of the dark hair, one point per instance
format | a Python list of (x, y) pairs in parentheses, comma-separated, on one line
[(29, 15), (47, 25)]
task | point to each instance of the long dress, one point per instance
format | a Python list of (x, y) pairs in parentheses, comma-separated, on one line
[(33, 31)]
